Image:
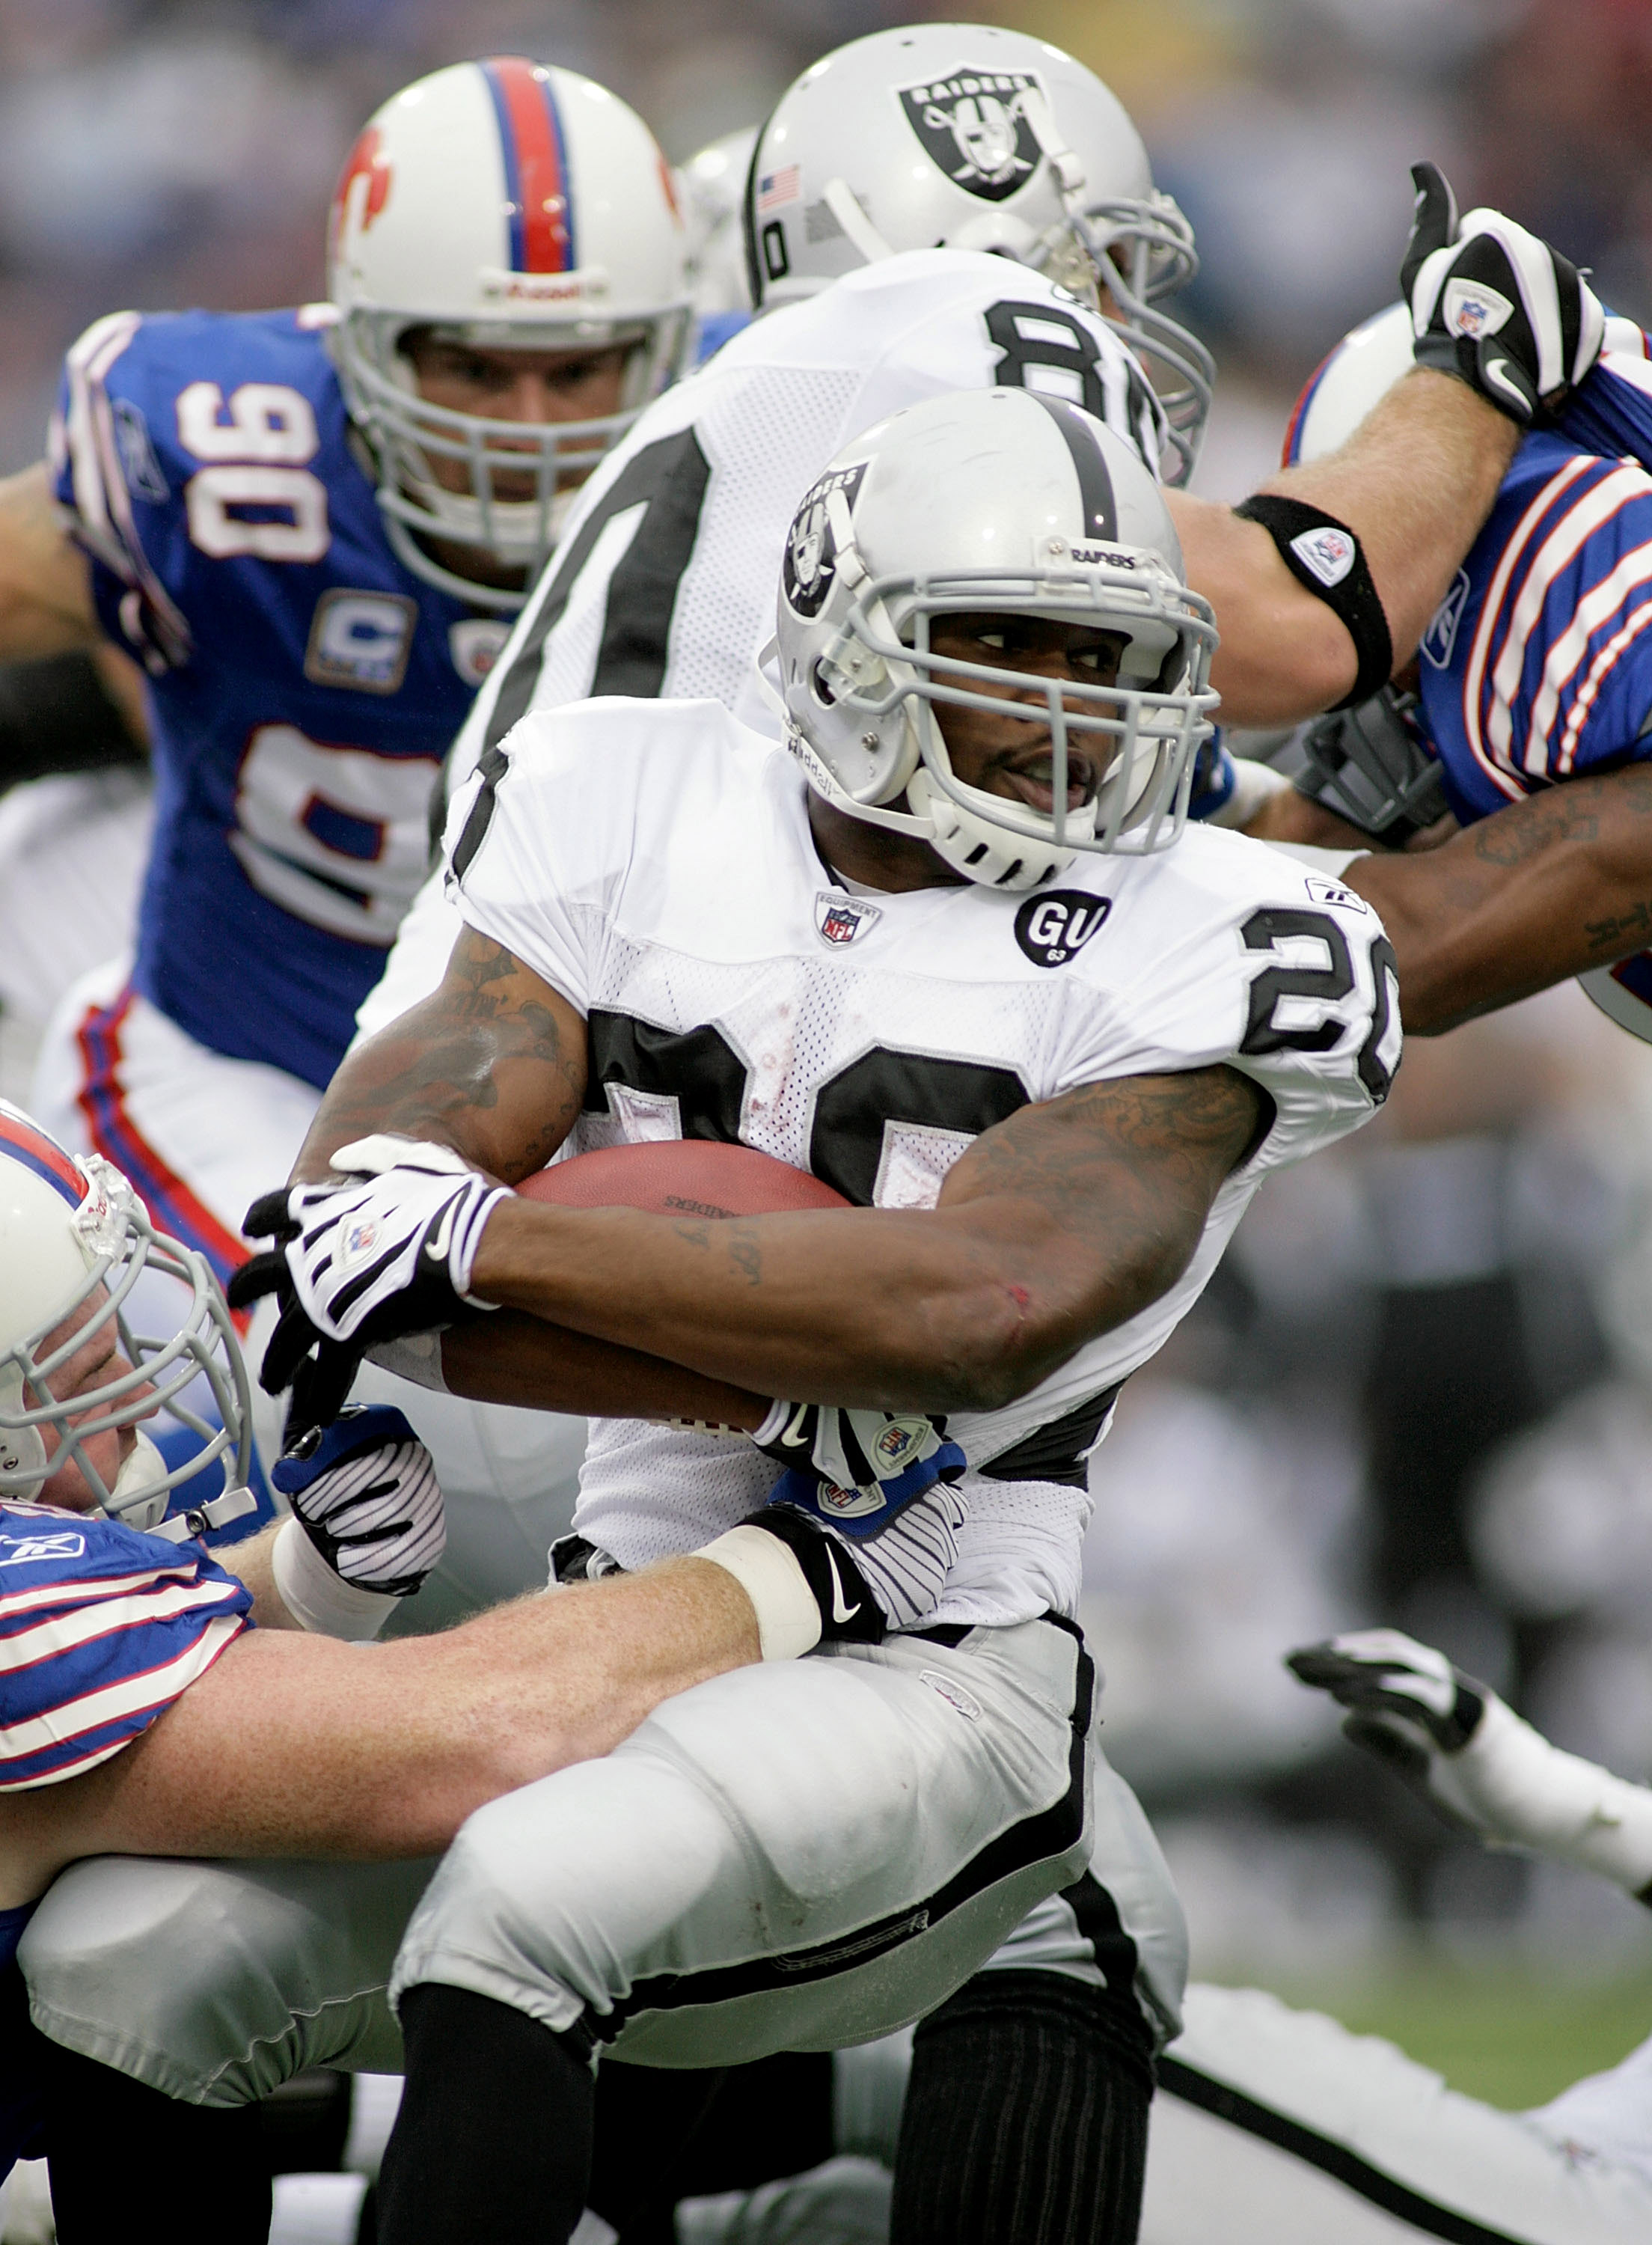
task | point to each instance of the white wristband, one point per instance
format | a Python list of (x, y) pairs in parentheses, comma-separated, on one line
[(1252, 785), (319, 1600), (768, 1571), (1537, 1795)]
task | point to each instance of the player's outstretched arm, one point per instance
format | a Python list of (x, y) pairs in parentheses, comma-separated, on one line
[(1053, 1227), (1413, 483), (1549, 888), (300, 1745), (45, 580), (1472, 1758)]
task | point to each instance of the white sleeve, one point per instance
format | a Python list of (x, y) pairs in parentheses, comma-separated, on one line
[(539, 837)]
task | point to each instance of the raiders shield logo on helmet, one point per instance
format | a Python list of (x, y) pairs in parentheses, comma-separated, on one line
[(974, 124), (811, 543)]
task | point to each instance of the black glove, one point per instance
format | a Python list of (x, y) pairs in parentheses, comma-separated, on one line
[(1494, 306)]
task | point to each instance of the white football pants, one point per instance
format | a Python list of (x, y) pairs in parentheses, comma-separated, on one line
[(200, 1135), (777, 1832)]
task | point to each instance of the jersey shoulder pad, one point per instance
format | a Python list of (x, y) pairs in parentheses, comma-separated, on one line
[(155, 411), (101, 1629), (1223, 951)]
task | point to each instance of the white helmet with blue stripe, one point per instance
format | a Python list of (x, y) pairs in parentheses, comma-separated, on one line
[(75, 1243), (509, 204)]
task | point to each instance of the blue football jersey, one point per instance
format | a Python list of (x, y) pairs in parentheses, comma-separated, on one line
[(1537, 665), (101, 1629), (303, 684)]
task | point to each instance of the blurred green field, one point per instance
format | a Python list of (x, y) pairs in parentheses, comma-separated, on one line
[(1501, 2033)]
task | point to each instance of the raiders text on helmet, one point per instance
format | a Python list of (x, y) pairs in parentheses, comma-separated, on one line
[(1003, 502), (508, 205), (77, 1249), (965, 136)]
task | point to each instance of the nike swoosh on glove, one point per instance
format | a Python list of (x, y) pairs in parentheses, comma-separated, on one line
[(901, 1570), (387, 1250), (365, 1492), (1495, 306), (862, 1466)]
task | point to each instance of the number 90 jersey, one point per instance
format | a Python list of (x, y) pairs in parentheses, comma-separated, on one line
[(303, 686), (655, 863)]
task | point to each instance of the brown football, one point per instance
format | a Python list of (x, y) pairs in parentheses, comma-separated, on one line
[(680, 1176)]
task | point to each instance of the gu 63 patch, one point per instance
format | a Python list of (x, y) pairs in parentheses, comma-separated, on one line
[(1054, 925), (974, 127)]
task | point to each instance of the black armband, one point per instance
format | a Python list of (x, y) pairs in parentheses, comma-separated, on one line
[(1324, 555)]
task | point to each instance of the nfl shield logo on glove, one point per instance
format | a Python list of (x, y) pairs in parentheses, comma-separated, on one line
[(1472, 309), (360, 1239), (848, 1504)]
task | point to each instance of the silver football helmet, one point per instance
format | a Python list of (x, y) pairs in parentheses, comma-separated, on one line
[(965, 136), (75, 1243), (1004, 502)]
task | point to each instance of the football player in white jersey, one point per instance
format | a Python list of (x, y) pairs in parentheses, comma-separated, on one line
[(1049, 277), (970, 916)]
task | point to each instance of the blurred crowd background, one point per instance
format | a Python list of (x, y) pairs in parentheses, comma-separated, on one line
[(1420, 1392)]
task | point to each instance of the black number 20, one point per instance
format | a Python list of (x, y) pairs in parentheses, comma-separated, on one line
[(1327, 988), (708, 1078)]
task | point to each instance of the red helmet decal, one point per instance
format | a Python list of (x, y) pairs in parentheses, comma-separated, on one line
[(367, 161)]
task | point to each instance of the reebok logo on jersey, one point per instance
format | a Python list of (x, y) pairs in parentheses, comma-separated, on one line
[(973, 124), (1055, 925), (954, 1694), (839, 920), (33, 1551), (1325, 891), (1439, 641), (1327, 554), (1472, 309)]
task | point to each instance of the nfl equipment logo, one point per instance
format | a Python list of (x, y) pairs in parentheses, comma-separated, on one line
[(973, 126), (1472, 309), (848, 1504), (1328, 554), (839, 919), (894, 1442), (361, 1239)]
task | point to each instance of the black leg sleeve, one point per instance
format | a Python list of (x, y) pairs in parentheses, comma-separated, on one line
[(1027, 2116), (106, 2133), (493, 2139)]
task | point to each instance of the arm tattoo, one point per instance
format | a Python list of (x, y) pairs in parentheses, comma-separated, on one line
[(482, 1064)]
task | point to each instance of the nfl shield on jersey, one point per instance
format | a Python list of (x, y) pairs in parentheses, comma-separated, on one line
[(655, 863), (304, 686)]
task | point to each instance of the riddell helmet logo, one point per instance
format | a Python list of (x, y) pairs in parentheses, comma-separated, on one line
[(974, 127), (810, 561)]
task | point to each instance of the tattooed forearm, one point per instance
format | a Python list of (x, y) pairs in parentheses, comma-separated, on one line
[(1625, 930), (493, 1063)]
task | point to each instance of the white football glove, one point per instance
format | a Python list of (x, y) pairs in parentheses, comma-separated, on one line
[(1472, 1758), (389, 1250), (1494, 306), (862, 1466)]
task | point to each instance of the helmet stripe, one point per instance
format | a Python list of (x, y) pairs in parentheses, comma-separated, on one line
[(535, 165), (1095, 485), (21, 1139)]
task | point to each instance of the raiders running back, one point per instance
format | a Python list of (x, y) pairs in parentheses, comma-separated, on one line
[(735, 989)]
